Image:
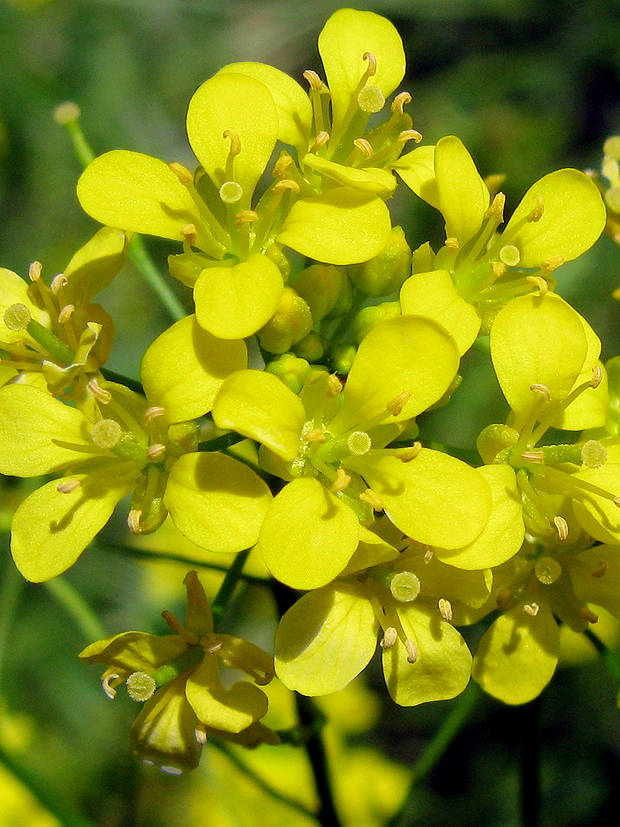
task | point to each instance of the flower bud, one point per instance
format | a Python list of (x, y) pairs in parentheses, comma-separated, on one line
[(370, 317), (385, 273), (493, 439), (342, 358), (291, 369), (288, 325), (311, 347), (326, 289), (274, 252)]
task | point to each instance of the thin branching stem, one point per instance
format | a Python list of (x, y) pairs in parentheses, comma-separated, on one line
[(76, 607)]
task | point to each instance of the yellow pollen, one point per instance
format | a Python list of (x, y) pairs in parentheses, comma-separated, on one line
[(390, 637), (400, 101), (231, 192), (152, 413), (334, 385), (315, 435), (396, 405), (510, 255), (156, 452), (539, 282), (542, 389), (67, 486), (321, 139), (445, 609), (34, 271), (200, 734), (58, 282), (452, 243), (106, 684), (341, 482), (369, 496), (412, 651), (550, 264), (65, 314), (182, 173), (407, 454), (235, 143), (409, 135), (597, 376), (537, 212), (246, 217), (364, 146), (588, 614), (531, 609), (561, 527), (286, 184), (281, 165), (498, 268), (133, 520), (496, 210), (314, 81), (100, 394), (188, 231), (602, 571)]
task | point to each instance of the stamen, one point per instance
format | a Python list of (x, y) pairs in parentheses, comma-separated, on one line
[(445, 609), (315, 435), (334, 385), (588, 614), (533, 456), (364, 146), (537, 212), (372, 63), (561, 527), (428, 555), (287, 184), (152, 413), (502, 597), (597, 376), (182, 173), (34, 271), (235, 143), (369, 496), (410, 453), (510, 255), (100, 394), (314, 81), (341, 482), (321, 139), (496, 210), (390, 637), (396, 405), (550, 264), (498, 268), (133, 520), (542, 389), (400, 101), (58, 282), (140, 686), (412, 651), (106, 684), (214, 647), (200, 734), (409, 135), (281, 165), (188, 231), (540, 283), (67, 486), (17, 317), (604, 568), (156, 452), (246, 217), (65, 314), (547, 570), (531, 609), (452, 244)]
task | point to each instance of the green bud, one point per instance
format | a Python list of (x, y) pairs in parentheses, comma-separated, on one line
[(310, 347), (288, 325), (342, 357), (274, 252), (326, 289), (370, 317), (291, 369), (385, 273), (493, 439)]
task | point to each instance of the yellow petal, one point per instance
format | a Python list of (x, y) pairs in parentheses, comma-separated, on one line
[(417, 169), (95, 264), (183, 369), (14, 290), (463, 195), (230, 710), (369, 179), (599, 516)]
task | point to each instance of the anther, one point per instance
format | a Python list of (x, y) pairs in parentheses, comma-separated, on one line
[(540, 283), (602, 571), (17, 317), (133, 520), (286, 184), (400, 101), (597, 376), (281, 165), (152, 413), (498, 268), (341, 482), (561, 527), (428, 555), (616, 501), (372, 63), (231, 192), (409, 135), (510, 255), (396, 405), (412, 651), (106, 684), (408, 454), (369, 496), (235, 143), (531, 609), (588, 614), (536, 387), (533, 456), (537, 212), (156, 452), (214, 647), (315, 435), (182, 173), (100, 394), (445, 609), (314, 81), (58, 282), (200, 734), (502, 597), (67, 486), (140, 686), (496, 209), (390, 636), (188, 231), (550, 264), (452, 244), (334, 385), (34, 271), (65, 314), (364, 146), (246, 217)]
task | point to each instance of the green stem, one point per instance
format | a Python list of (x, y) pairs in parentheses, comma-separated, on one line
[(220, 443), (132, 384), (143, 261), (529, 718), (76, 607), (434, 750), (12, 585), (610, 659), (52, 800), (248, 772), (307, 712), (232, 577)]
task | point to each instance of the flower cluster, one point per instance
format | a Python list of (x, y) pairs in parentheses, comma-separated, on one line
[(282, 414)]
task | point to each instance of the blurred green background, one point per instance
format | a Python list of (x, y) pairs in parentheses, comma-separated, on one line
[(529, 86)]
